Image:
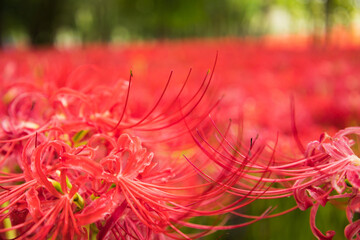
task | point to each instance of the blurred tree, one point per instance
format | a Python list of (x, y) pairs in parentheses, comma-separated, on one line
[(324, 14), (38, 18), (334, 8), (99, 20)]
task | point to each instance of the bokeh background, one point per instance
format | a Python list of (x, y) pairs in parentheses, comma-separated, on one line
[(68, 23)]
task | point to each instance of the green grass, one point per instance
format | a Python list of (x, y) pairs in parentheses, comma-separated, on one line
[(294, 225)]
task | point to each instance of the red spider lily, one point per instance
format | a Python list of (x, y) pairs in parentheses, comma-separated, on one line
[(328, 171), (82, 173), (82, 186), (331, 164)]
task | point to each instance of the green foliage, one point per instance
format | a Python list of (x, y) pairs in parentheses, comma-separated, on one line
[(293, 225), (123, 20)]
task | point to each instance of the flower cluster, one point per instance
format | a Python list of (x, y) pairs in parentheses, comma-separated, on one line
[(80, 162), (86, 153)]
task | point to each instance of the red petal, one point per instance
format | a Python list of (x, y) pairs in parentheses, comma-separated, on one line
[(329, 234), (352, 229)]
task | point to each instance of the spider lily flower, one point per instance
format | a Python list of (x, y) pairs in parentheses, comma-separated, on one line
[(149, 198), (67, 191), (90, 165), (48, 204), (329, 171)]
